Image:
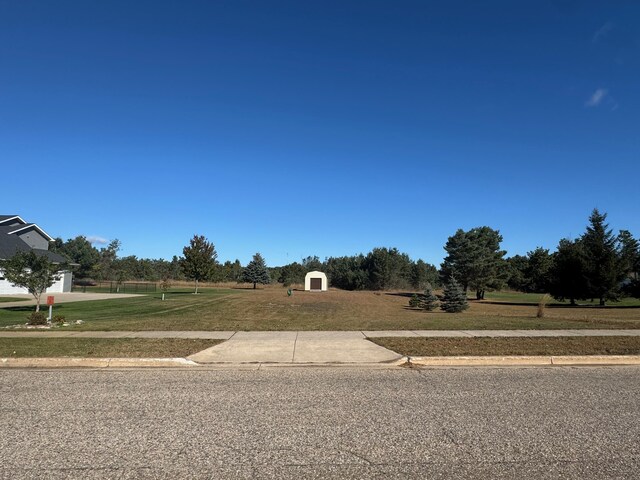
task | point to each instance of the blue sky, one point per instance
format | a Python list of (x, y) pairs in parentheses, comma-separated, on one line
[(319, 128)]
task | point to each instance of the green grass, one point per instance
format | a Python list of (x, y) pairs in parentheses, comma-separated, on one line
[(449, 346), (12, 299), (271, 309), (102, 347)]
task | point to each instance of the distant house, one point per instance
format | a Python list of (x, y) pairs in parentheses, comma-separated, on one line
[(16, 236), (316, 282)]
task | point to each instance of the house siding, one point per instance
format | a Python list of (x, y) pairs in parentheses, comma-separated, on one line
[(33, 238), (61, 286)]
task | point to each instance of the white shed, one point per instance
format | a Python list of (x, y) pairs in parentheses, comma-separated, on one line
[(316, 282)]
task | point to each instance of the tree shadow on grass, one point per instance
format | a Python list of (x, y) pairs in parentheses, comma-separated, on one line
[(401, 294), (26, 308), (560, 305)]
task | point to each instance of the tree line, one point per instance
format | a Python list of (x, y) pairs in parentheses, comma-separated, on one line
[(597, 265)]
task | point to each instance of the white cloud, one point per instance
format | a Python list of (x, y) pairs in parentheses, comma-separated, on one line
[(596, 97), (97, 239), (602, 32)]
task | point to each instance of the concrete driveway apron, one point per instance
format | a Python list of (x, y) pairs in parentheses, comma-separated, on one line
[(296, 347)]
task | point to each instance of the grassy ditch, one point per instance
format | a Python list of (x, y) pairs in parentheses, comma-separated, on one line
[(485, 346), (103, 347)]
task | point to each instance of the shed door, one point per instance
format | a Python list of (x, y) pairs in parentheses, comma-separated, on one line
[(316, 284)]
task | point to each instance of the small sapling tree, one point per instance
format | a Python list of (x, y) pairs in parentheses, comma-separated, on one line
[(165, 285), (427, 301), (33, 272)]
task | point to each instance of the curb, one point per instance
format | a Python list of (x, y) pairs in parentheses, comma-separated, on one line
[(525, 360), (66, 362), (568, 360)]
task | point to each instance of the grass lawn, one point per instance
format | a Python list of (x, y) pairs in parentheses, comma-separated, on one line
[(271, 309), (448, 346), (102, 347)]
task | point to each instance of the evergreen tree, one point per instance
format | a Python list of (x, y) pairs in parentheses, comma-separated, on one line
[(426, 301), (604, 270), (347, 273), (292, 273), (630, 263), (475, 258), (568, 275), (199, 259), (455, 299), (79, 251), (423, 274), (256, 271), (536, 274), (517, 267)]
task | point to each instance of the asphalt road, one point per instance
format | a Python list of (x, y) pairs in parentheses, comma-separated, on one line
[(321, 423)]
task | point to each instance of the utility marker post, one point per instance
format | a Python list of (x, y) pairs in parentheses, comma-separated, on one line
[(50, 300)]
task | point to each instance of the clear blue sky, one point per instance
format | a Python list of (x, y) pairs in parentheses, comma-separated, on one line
[(319, 128)]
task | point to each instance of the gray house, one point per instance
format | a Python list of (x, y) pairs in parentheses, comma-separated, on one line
[(16, 236)]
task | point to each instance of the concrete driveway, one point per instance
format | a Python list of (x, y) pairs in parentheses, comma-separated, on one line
[(296, 348), (63, 298)]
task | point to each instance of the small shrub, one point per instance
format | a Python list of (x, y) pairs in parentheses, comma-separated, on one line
[(37, 318), (59, 319)]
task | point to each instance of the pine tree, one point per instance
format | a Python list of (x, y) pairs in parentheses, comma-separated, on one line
[(455, 299), (256, 271), (428, 301), (568, 277), (475, 258), (604, 270)]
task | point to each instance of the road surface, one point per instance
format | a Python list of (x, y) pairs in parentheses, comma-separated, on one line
[(339, 422)]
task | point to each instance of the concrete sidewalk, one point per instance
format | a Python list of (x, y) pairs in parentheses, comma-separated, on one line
[(330, 336)]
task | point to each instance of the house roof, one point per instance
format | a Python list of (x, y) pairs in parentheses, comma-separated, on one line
[(19, 228), (6, 218), (11, 244)]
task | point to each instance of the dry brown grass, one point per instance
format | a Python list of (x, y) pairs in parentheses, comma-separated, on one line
[(271, 308), (103, 347), (448, 346)]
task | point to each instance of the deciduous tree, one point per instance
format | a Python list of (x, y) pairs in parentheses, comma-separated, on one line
[(200, 259), (31, 271)]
